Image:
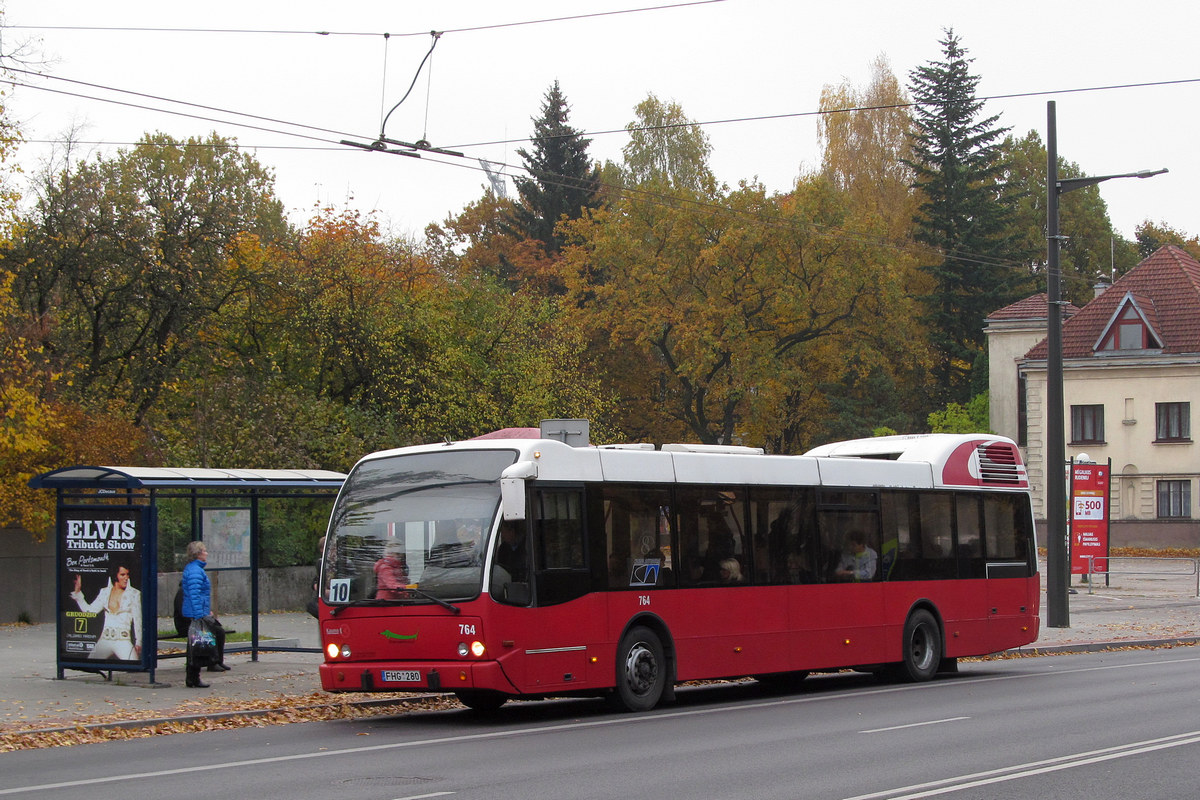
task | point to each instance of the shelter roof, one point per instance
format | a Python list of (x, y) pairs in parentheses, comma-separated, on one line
[(85, 477)]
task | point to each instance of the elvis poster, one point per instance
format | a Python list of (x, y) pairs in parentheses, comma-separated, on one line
[(101, 574)]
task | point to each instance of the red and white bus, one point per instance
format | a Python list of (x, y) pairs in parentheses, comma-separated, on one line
[(533, 568)]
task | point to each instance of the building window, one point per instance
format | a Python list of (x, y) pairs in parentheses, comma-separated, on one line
[(1087, 424), (1174, 499), (1129, 332), (1131, 335), (1172, 422)]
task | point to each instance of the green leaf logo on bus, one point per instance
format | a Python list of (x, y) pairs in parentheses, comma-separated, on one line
[(402, 637)]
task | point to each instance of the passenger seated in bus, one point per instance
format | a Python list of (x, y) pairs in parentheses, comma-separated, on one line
[(858, 562), (391, 573), (731, 571)]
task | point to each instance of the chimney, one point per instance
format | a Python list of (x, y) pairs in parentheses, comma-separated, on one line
[(1100, 287)]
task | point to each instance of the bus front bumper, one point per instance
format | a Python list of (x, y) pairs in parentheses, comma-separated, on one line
[(409, 676)]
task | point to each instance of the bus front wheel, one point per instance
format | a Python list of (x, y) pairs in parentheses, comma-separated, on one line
[(922, 648), (641, 670)]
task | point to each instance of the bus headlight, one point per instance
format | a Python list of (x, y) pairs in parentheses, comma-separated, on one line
[(463, 649), (331, 650), (477, 649)]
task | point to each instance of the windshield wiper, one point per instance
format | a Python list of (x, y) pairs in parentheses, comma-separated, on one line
[(438, 600), (396, 602)]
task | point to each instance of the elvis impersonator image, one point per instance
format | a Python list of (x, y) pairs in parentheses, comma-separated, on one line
[(121, 638)]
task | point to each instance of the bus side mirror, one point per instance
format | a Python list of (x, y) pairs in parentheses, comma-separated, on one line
[(512, 488)]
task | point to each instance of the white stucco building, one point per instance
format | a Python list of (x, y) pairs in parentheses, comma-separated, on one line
[(1131, 370)]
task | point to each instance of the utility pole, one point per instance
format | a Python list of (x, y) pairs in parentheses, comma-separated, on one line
[(1058, 576)]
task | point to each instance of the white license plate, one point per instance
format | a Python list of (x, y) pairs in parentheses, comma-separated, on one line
[(401, 676)]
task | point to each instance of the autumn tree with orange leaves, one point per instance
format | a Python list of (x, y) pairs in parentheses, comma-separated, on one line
[(740, 306)]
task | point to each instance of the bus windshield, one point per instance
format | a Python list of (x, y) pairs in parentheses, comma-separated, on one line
[(413, 528)]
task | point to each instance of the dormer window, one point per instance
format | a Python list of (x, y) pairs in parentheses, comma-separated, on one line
[(1131, 332), (1128, 329)]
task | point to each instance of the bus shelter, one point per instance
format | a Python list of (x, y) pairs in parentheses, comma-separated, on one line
[(108, 548)]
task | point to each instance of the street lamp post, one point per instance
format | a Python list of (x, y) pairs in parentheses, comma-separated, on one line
[(1058, 614)]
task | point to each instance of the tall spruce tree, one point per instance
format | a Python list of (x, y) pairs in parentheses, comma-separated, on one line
[(965, 216), (562, 180)]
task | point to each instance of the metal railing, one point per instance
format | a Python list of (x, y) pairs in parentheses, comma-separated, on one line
[(1174, 567)]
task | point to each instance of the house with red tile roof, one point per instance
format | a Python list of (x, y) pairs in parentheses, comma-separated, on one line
[(1131, 370), (1011, 333)]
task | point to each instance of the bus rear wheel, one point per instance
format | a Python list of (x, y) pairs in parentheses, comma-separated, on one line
[(482, 700), (641, 670), (922, 648)]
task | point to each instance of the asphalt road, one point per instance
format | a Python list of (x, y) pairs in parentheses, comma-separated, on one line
[(1117, 724)]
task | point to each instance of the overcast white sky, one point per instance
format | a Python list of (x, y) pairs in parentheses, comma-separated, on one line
[(719, 60)]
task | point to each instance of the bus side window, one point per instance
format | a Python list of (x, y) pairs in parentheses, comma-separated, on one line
[(510, 565), (968, 509), (559, 553), (712, 528), (637, 531), (937, 539), (1005, 528), (691, 565), (783, 527), (850, 546), (560, 531), (899, 547)]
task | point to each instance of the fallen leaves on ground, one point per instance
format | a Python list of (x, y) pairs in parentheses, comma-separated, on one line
[(1034, 652), (216, 714), (212, 714)]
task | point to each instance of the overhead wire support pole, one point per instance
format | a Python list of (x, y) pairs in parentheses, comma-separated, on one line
[(1058, 577), (1057, 611)]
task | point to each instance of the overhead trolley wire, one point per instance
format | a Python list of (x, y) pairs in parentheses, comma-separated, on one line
[(470, 29), (848, 110), (217, 109), (528, 139), (645, 196)]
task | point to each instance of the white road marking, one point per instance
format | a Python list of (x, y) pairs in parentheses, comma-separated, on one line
[(915, 725), (1016, 771), (622, 720)]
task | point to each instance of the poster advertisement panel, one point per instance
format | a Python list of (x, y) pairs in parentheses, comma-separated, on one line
[(226, 533), (1089, 517), (101, 572)]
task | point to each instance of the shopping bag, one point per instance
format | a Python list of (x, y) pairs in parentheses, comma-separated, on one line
[(202, 643)]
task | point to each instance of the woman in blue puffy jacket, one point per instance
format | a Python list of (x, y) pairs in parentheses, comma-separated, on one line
[(197, 603)]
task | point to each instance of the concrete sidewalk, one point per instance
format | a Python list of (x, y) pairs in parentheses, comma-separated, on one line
[(1141, 612), (31, 696)]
